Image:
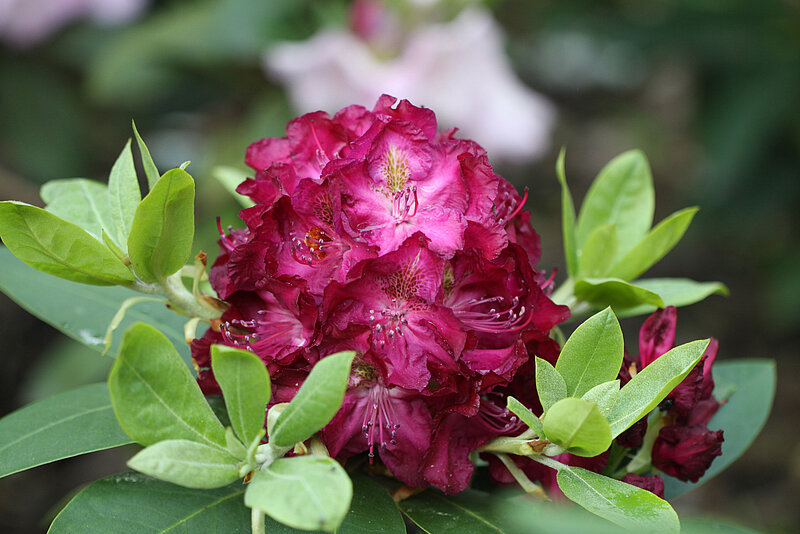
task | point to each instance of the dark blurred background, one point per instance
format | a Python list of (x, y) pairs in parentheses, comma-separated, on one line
[(709, 89)]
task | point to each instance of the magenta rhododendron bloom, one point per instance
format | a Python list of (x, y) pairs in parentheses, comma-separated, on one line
[(374, 232)]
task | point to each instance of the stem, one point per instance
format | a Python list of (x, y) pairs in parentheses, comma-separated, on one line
[(257, 521), (564, 294), (531, 488), (183, 299)]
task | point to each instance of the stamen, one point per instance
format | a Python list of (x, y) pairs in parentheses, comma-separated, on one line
[(378, 423), (322, 157), (512, 318), (502, 210), (497, 419), (227, 242)]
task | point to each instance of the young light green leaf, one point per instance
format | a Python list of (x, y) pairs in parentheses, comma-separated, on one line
[(599, 253), (187, 463), (578, 426), (616, 293), (245, 386), (550, 384), (525, 415), (652, 384), (154, 395), (234, 446), (131, 502), (622, 194), (124, 195), (567, 217), (55, 246), (80, 311), (674, 292), (604, 396), (230, 178), (160, 241), (80, 201), (592, 354), (654, 246), (748, 386), (150, 169), (624, 504), (306, 492), (316, 402), (58, 427)]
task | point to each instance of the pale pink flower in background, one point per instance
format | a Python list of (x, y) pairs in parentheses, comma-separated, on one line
[(27, 22), (458, 68)]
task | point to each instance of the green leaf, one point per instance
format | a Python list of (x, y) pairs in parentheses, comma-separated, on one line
[(187, 463), (749, 386), (470, 511), (567, 217), (592, 354), (82, 312), (618, 294), (372, 511), (316, 402), (622, 194), (696, 525), (160, 241), (58, 247), (652, 384), (674, 292), (130, 502), (599, 253), (578, 426), (154, 395), (230, 178), (81, 202), (621, 503), (124, 195), (525, 415), (550, 384), (604, 395), (58, 427), (245, 386), (654, 246), (306, 492), (150, 169)]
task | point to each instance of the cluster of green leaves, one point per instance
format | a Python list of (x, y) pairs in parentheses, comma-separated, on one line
[(611, 243)]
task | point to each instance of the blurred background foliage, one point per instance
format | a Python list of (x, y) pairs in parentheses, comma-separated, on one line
[(709, 89)]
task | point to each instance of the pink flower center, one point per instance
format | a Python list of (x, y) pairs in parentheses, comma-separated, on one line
[(378, 423), (315, 248), (273, 330)]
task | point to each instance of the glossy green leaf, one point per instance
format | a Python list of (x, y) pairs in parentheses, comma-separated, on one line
[(567, 217), (80, 201), (622, 194), (160, 241), (618, 294), (603, 395), (245, 385), (187, 463), (61, 426), (525, 415), (624, 504), (58, 247), (124, 195), (599, 253), (592, 354), (150, 169), (230, 178), (306, 492), (749, 387), (578, 426), (652, 384), (673, 292), (550, 384), (470, 511), (316, 402), (372, 511), (154, 395), (654, 246), (83, 312), (135, 503)]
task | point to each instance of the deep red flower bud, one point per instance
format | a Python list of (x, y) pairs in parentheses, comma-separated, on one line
[(686, 452), (653, 484)]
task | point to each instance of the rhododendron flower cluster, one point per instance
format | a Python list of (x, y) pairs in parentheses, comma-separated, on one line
[(374, 232)]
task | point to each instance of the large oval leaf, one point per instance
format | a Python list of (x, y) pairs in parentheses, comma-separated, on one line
[(470, 511), (55, 246), (306, 492), (161, 237), (130, 502), (83, 312), (599, 253), (64, 425), (154, 395), (80, 201)]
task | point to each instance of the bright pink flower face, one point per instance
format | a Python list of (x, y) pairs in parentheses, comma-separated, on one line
[(372, 232)]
